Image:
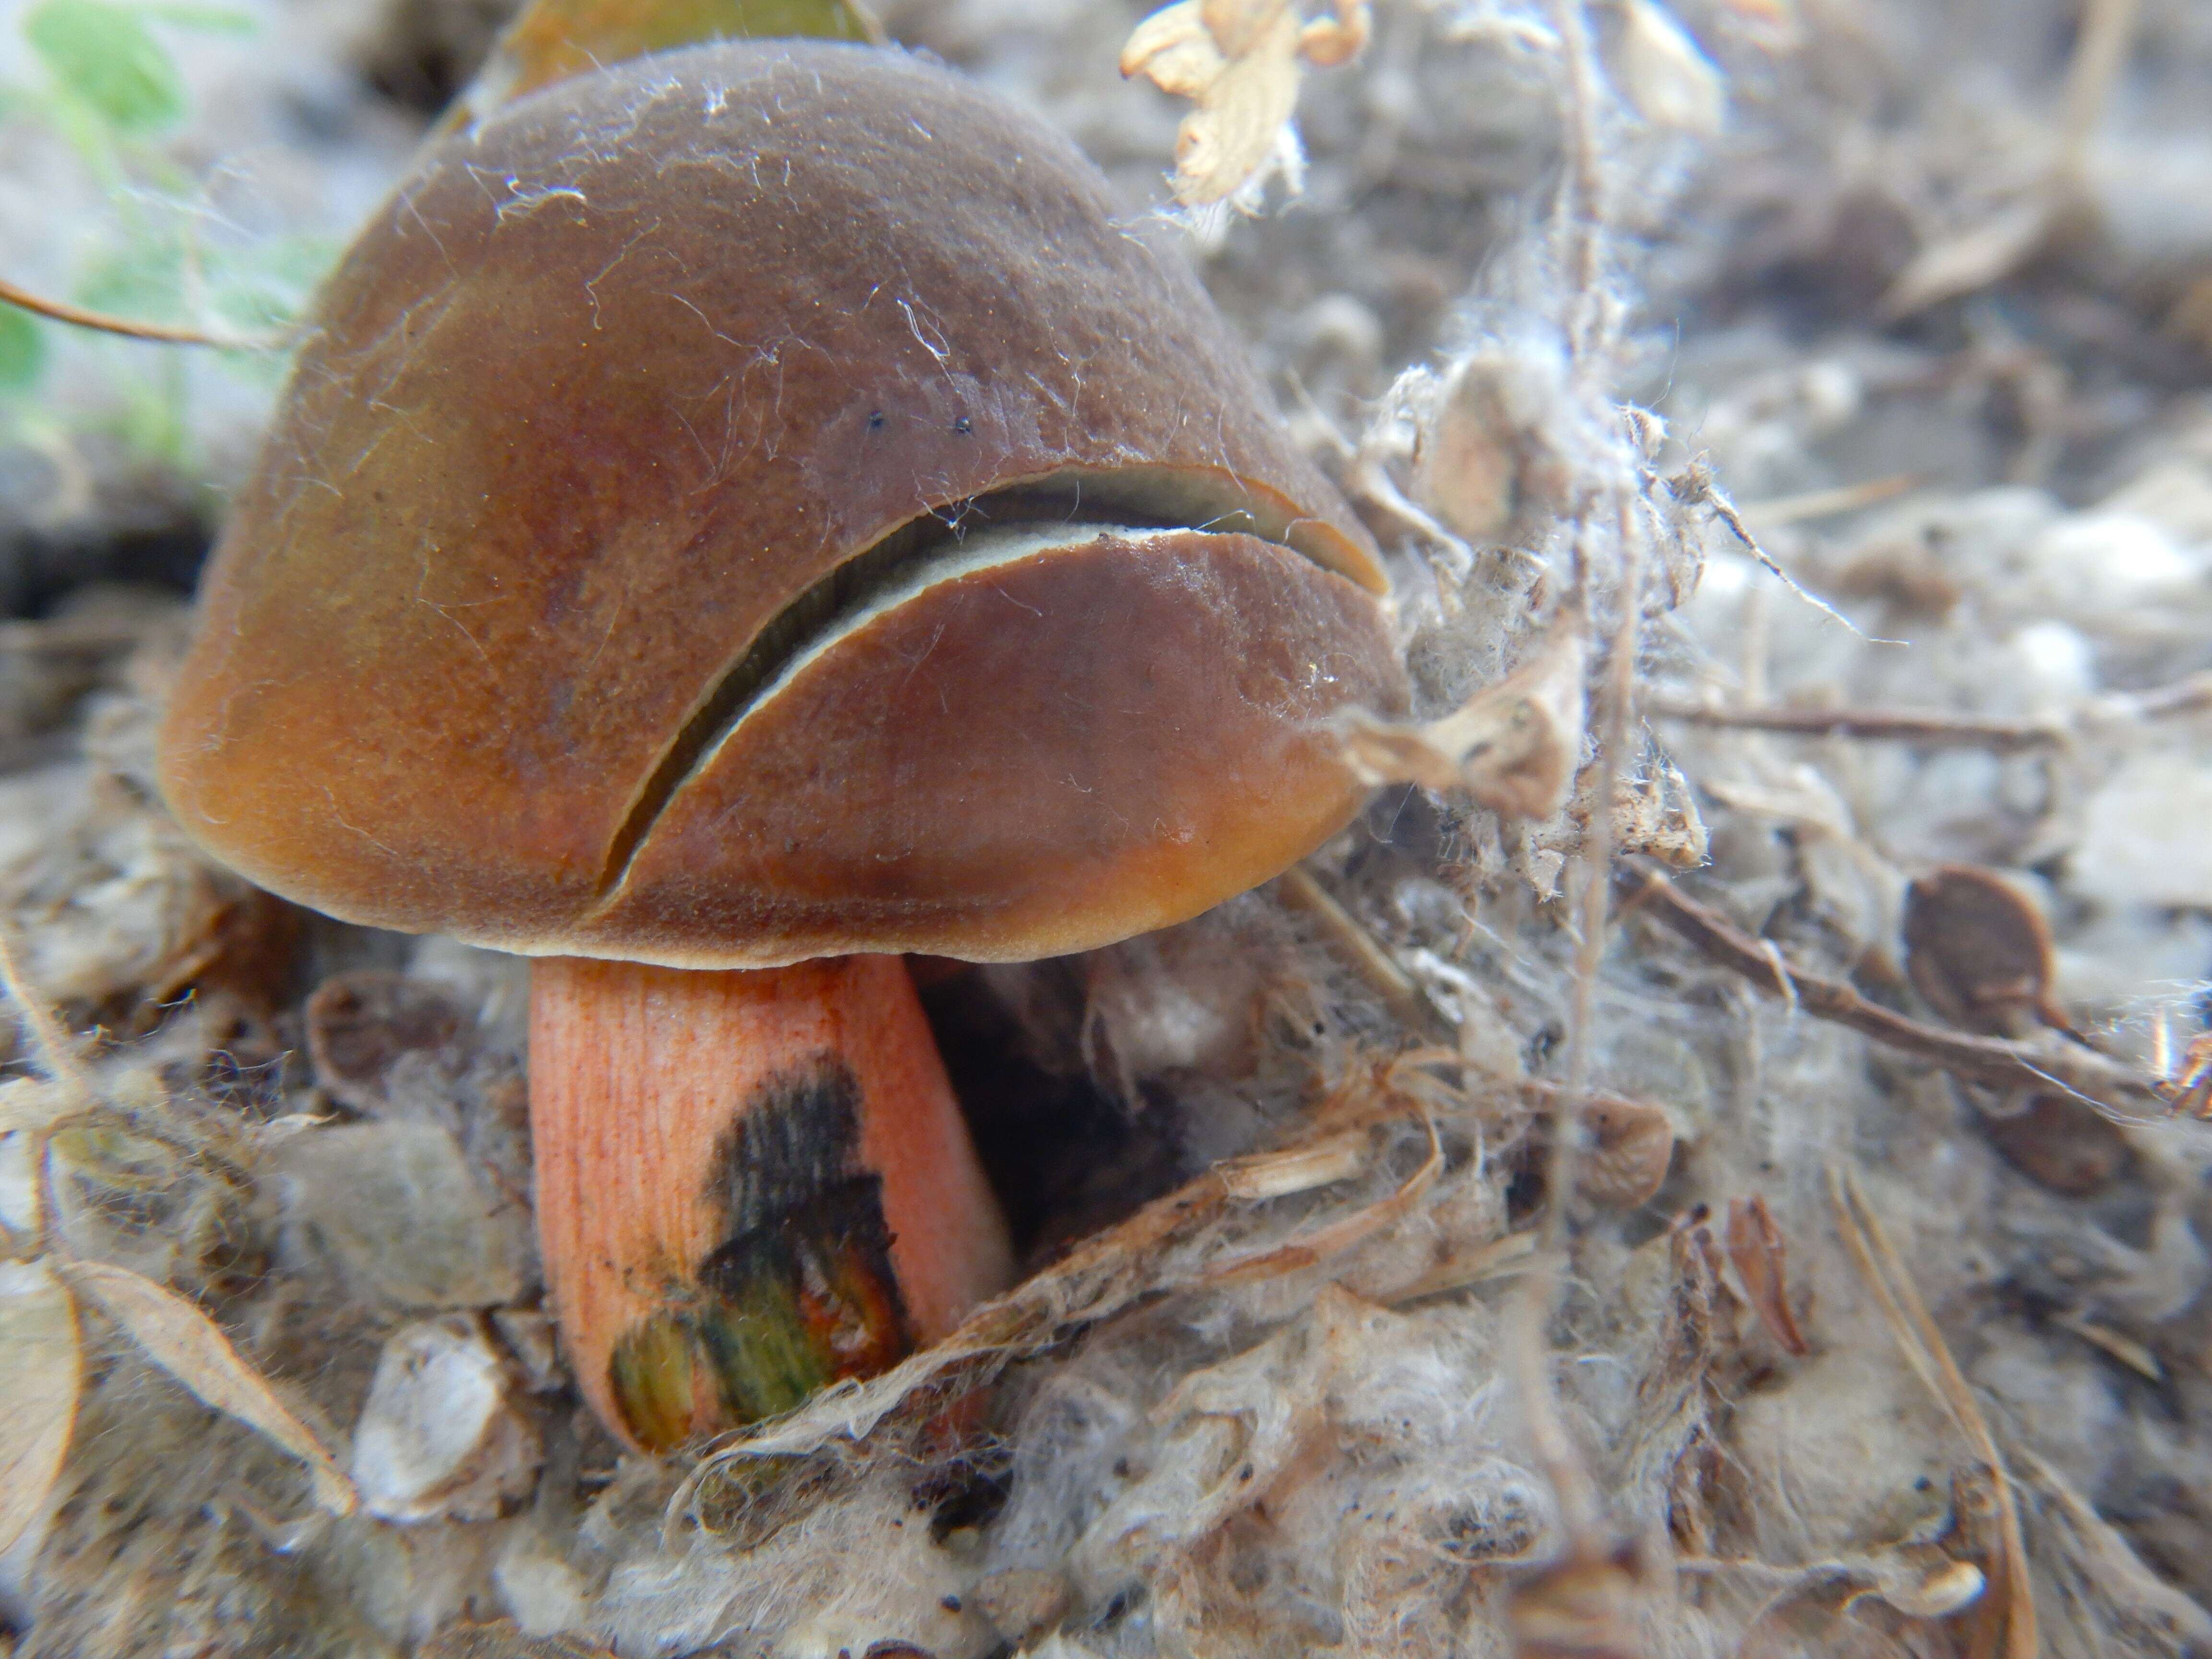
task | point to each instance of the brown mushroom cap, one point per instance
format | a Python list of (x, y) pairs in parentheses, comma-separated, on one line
[(648, 558)]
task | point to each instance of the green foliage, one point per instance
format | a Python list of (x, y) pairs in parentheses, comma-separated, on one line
[(22, 349), (105, 57), (103, 79), (106, 81)]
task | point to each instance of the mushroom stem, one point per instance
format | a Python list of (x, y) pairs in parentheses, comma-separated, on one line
[(750, 1183)]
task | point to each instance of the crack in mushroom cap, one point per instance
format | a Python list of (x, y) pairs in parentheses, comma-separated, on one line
[(639, 405)]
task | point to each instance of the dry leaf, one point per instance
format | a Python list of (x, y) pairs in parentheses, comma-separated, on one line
[(1757, 1253), (40, 1378), (1238, 60), (1514, 746), (1655, 813), (185, 1343), (1972, 259), (1668, 76)]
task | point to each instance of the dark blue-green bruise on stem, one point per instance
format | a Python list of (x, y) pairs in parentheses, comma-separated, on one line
[(800, 1292)]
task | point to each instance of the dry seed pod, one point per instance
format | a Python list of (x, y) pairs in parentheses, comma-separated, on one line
[(1978, 951), (1630, 1145), (748, 505)]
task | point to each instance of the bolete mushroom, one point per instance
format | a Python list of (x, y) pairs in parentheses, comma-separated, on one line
[(743, 514)]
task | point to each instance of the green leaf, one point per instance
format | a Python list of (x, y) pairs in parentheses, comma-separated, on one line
[(22, 349), (143, 279), (107, 58)]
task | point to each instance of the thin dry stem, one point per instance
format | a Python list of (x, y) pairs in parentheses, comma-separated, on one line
[(1702, 488), (61, 311), (1529, 1316), (2189, 696), (1532, 1308), (2112, 1088), (1361, 951), (1875, 724), (1308, 1250), (1583, 190), (1921, 1342), (1936, 728), (2100, 53)]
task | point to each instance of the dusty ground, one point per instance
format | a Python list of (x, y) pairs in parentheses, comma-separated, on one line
[(1874, 1321)]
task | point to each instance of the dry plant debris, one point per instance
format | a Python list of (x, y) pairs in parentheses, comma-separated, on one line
[(1239, 61), (1714, 1161)]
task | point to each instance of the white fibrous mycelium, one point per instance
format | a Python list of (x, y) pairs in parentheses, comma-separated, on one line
[(1709, 1163)]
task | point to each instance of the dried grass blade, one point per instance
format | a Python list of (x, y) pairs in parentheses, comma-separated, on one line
[(40, 1377), (1312, 1248), (176, 1336), (1136, 1259), (1513, 1252), (1930, 1355), (1296, 1170)]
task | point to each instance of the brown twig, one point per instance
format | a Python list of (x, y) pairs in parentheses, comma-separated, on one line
[(61, 311), (2113, 1089), (2190, 695), (1880, 725), (1934, 728)]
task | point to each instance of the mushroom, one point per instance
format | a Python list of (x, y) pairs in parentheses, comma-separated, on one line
[(743, 514)]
